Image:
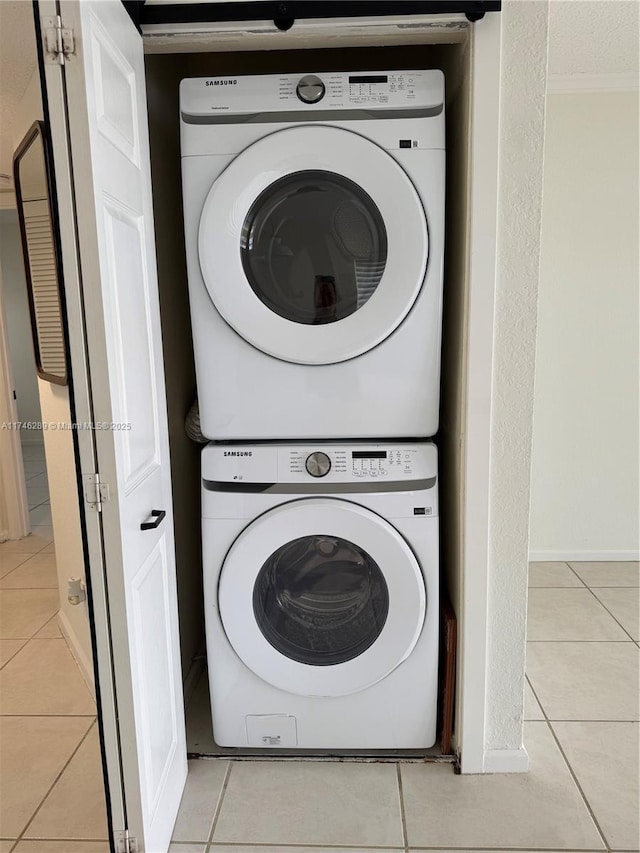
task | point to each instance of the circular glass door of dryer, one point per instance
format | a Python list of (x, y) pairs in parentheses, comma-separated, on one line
[(313, 245), (321, 597)]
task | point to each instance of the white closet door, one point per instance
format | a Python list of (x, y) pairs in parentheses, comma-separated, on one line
[(107, 115)]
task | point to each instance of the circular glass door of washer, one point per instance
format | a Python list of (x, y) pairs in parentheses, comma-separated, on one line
[(328, 611), (313, 245)]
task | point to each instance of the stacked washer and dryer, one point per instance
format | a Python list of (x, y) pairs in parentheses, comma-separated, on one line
[(314, 223)]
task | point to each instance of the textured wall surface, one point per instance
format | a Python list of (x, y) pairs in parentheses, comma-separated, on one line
[(17, 64), (522, 113), (593, 36), (584, 501)]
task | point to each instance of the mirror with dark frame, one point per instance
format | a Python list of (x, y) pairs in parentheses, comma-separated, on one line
[(31, 172)]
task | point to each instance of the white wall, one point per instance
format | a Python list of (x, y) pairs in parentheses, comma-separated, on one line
[(16, 309), (61, 465), (585, 488)]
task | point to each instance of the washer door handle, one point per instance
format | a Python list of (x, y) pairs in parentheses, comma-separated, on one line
[(158, 516)]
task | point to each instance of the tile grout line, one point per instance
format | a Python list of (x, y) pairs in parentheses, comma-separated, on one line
[(295, 847), (90, 841), (218, 808), (403, 817), (27, 557), (579, 787), (42, 627), (17, 651), (587, 587), (55, 616), (572, 772), (28, 554), (571, 569), (44, 638), (35, 506), (341, 847), (519, 849), (93, 714), (535, 696), (4, 588), (55, 781), (602, 604), (589, 720), (583, 641)]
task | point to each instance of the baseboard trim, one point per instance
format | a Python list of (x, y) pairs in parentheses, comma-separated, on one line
[(85, 664), (583, 556), (506, 760)]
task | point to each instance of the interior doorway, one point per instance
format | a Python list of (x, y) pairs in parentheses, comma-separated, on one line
[(51, 786)]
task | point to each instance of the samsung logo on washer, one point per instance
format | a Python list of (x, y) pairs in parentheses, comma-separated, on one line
[(220, 82), (238, 453)]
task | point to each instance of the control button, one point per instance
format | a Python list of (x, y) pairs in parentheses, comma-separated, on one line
[(310, 89), (318, 464)]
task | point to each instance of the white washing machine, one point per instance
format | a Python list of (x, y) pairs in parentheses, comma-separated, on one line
[(321, 594), (314, 223)]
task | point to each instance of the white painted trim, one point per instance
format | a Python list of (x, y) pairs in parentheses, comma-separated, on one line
[(14, 509), (506, 760), (483, 214), (584, 556), (85, 664), (563, 84)]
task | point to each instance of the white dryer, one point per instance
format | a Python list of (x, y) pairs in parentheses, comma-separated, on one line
[(314, 224), (321, 594)]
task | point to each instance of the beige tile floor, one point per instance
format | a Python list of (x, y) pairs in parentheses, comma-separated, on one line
[(51, 788), (581, 731)]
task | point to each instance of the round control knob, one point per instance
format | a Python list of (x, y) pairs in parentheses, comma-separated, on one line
[(310, 89), (318, 464)]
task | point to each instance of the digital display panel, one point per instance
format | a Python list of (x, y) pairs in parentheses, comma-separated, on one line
[(369, 454), (370, 79)]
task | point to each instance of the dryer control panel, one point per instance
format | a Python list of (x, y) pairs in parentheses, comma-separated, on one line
[(399, 92), (307, 462)]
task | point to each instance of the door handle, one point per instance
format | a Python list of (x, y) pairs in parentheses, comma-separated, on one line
[(157, 515)]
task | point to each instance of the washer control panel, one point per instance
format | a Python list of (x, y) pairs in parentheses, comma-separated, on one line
[(310, 89), (318, 464), (331, 90), (333, 463)]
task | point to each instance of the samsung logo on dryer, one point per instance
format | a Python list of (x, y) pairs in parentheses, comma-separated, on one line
[(221, 82), (238, 453)]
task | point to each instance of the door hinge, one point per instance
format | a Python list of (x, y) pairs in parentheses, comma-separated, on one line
[(59, 42), (95, 492), (126, 843)]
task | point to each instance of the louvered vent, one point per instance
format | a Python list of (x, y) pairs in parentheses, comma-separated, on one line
[(44, 285)]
